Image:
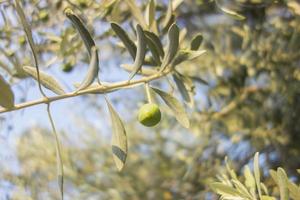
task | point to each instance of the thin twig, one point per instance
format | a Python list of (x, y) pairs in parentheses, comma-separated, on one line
[(101, 89), (60, 168)]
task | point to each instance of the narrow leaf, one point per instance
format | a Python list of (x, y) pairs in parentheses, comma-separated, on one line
[(257, 173), (249, 178), (196, 42), (136, 12), (6, 94), (224, 190), (119, 138), (121, 33), (155, 39), (46, 80), (92, 71), (28, 33), (282, 183), (186, 55), (177, 109), (150, 13), (172, 46), (141, 51), (154, 50), (169, 14), (82, 30), (185, 87), (230, 12)]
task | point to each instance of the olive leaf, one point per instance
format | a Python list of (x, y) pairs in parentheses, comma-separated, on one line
[(7, 96), (121, 33), (177, 109), (169, 13), (283, 184), (249, 179), (46, 80), (90, 45), (172, 46), (141, 51), (186, 55), (185, 87), (28, 33), (136, 12), (119, 138), (230, 12), (82, 30), (196, 42), (225, 190), (150, 13), (155, 39), (92, 71), (153, 49), (257, 172)]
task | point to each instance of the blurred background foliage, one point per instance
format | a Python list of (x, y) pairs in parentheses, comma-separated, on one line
[(247, 99)]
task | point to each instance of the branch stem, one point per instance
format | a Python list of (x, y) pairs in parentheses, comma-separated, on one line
[(98, 89)]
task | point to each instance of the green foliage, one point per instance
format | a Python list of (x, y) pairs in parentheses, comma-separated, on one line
[(250, 187)]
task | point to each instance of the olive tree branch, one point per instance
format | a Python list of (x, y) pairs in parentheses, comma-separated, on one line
[(100, 89)]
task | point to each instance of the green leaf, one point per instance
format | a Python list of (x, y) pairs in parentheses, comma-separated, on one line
[(172, 46), (141, 51), (121, 33), (257, 173), (230, 12), (186, 55), (90, 46), (26, 26), (176, 107), (155, 39), (46, 80), (92, 71), (196, 42), (282, 183), (82, 30), (225, 190), (185, 87), (150, 13), (119, 138), (154, 50), (294, 190), (249, 178), (168, 17), (7, 96), (136, 12), (267, 198)]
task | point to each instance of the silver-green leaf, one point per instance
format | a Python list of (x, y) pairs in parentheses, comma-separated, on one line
[(92, 71), (196, 42), (186, 55), (172, 46), (119, 138), (7, 95), (121, 33), (82, 30), (141, 51), (155, 39), (176, 107), (46, 80), (257, 173), (283, 184)]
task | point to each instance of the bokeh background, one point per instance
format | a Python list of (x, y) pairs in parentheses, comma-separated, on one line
[(247, 99)]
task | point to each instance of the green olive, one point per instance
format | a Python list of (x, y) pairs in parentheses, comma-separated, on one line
[(149, 114), (68, 67)]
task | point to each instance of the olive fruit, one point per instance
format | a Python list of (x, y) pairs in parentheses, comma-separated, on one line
[(149, 114), (68, 67)]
